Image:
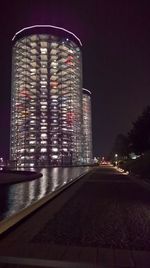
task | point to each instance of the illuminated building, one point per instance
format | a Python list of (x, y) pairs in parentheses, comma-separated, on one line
[(87, 127), (46, 99)]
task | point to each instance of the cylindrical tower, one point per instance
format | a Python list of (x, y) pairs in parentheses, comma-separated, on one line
[(46, 99), (87, 127)]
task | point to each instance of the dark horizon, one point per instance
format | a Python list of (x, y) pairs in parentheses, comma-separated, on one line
[(116, 58)]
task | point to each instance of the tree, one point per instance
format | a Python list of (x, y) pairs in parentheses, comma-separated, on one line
[(120, 146), (139, 136)]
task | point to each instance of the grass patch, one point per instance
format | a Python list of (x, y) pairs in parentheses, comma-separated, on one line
[(139, 166)]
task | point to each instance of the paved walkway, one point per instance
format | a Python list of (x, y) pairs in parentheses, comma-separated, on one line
[(103, 220)]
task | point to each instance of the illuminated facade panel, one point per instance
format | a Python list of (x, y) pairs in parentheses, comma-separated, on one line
[(87, 127), (46, 99)]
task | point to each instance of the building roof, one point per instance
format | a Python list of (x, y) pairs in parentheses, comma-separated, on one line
[(86, 91), (46, 29)]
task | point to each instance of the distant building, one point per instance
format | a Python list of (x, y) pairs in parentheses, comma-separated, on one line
[(46, 99), (87, 127)]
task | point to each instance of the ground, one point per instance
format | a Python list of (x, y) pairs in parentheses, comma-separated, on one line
[(103, 219)]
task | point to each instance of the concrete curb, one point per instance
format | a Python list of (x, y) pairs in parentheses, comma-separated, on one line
[(43, 263)]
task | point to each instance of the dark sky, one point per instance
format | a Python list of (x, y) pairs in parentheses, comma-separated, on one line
[(116, 58)]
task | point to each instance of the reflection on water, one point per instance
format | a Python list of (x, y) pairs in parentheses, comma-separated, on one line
[(17, 196)]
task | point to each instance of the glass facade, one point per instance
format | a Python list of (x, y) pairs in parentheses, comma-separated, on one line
[(46, 99), (87, 127)]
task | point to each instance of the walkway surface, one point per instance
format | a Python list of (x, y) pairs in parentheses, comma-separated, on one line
[(103, 220)]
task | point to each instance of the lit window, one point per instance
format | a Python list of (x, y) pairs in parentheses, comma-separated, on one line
[(54, 149), (54, 63), (54, 96), (43, 150), (43, 142), (33, 70), (43, 82), (43, 50), (31, 142), (43, 106), (54, 156), (43, 135)]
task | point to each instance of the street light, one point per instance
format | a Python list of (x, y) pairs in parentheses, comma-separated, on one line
[(116, 159)]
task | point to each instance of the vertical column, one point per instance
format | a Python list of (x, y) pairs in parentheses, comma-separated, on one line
[(44, 100), (54, 105)]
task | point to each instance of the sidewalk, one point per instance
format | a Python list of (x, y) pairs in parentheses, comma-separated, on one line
[(63, 233)]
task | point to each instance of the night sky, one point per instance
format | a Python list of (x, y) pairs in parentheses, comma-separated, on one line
[(116, 59)]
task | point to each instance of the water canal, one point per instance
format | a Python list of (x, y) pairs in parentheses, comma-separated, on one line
[(17, 196)]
